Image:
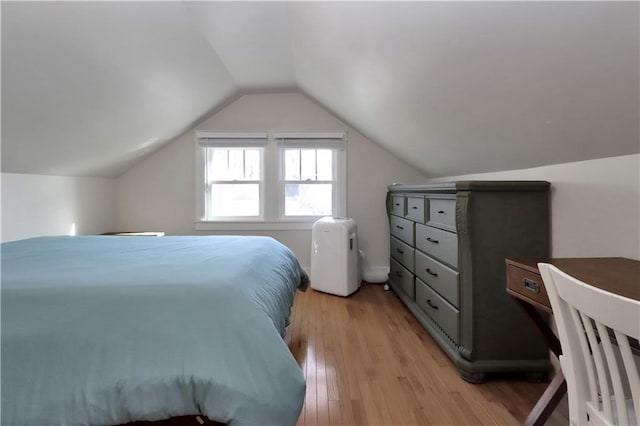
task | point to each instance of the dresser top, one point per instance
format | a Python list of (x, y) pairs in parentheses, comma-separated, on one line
[(474, 185)]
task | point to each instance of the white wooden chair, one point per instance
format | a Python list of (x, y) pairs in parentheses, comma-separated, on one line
[(594, 327)]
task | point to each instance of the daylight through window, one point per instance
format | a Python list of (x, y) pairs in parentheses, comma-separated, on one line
[(309, 181), (234, 179), (277, 177)]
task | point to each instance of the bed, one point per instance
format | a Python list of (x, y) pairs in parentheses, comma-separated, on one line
[(107, 330)]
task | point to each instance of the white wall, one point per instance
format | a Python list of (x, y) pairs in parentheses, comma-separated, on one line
[(159, 192), (37, 205), (595, 205)]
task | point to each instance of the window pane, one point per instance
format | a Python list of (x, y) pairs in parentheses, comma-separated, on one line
[(236, 166), (217, 163), (233, 164), (308, 164), (252, 164), (308, 199), (235, 199), (292, 164), (325, 164)]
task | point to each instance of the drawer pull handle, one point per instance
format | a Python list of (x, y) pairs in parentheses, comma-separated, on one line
[(397, 204), (399, 227), (431, 240), (399, 274), (440, 211), (400, 251), (531, 285), (430, 272), (431, 304), (414, 207)]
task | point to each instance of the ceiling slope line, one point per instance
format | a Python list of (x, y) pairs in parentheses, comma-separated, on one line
[(357, 129), (237, 94), (198, 29)]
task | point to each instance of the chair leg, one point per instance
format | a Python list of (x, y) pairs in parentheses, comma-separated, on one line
[(548, 401)]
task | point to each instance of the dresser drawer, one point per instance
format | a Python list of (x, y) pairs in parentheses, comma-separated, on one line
[(439, 277), (527, 284), (415, 209), (442, 245), (402, 228), (442, 213), (402, 253), (398, 205), (445, 315), (402, 278)]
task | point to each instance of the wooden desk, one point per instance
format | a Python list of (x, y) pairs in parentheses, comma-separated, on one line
[(524, 283)]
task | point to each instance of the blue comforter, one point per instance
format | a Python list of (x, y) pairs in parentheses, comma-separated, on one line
[(108, 330)]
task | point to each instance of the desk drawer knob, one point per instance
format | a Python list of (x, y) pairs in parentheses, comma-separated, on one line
[(400, 251), (399, 227), (431, 304), (431, 240), (399, 274), (440, 211), (430, 272), (531, 285)]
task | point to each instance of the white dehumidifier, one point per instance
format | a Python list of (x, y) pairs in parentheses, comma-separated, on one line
[(334, 256)]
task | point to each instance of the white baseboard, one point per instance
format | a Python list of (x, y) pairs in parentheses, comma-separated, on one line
[(375, 274), (370, 274)]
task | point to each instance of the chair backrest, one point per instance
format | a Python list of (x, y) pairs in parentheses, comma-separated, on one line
[(594, 327)]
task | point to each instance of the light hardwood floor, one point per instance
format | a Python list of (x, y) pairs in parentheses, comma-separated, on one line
[(367, 361)]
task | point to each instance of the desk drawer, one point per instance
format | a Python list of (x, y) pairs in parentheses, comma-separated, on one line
[(529, 285), (442, 213), (445, 315), (442, 245), (397, 205), (402, 253), (439, 277), (402, 229), (415, 209), (403, 278)]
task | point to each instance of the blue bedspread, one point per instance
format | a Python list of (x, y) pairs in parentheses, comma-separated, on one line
[(108, 330)]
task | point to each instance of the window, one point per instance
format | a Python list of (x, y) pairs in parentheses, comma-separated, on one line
[(308, 183), (262, 181), (233, 182), (231, 178), (312, 174)]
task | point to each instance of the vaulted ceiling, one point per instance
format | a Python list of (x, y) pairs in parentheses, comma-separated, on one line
[(89, 88)]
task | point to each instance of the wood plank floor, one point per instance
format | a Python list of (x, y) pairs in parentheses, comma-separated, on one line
[(367, 361)]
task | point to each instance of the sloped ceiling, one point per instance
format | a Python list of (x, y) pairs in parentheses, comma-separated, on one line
[(450, 87), (88, 88)]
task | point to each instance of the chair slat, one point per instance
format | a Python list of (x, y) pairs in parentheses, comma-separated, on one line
[(614, 374), (603, 382), (586, 353), (632, 372)]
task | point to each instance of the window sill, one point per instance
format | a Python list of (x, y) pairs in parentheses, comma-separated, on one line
[(255, 225)]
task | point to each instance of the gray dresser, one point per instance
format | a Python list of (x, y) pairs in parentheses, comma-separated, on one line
[(449, 242)]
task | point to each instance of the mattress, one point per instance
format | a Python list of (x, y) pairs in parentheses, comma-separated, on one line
[(101, 330)]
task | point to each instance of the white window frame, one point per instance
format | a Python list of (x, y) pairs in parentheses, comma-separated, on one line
[(272, 188), (260, 182), (203, 187), (333, 141)]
